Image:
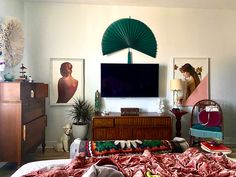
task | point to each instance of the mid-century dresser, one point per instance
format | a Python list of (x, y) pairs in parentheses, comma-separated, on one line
[(22, 119)]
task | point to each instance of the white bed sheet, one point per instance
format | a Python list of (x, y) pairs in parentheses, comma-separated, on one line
[(44, 164)]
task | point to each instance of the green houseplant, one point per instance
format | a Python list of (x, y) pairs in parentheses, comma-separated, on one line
[(81, 113)]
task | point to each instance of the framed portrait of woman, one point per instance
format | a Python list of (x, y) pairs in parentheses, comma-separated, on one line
[(194, 73), (67, 80)]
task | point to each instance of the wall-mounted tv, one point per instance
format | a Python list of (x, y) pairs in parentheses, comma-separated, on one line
[(129, 80)]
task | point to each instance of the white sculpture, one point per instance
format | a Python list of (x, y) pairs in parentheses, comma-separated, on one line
[(63, 141), (13, 41), (160, 106)]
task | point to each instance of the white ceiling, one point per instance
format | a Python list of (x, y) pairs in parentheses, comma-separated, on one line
[(205, 4)]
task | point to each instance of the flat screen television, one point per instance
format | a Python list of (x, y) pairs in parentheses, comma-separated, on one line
[(129, 80)]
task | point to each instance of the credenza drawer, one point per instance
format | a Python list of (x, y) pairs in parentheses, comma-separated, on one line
[(152, 133), (143, 121), (112, 133), (103, 122)]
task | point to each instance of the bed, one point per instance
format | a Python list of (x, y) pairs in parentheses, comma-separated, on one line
[(165, 163)]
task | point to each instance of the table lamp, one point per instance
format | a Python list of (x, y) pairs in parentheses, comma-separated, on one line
[(175, 86)]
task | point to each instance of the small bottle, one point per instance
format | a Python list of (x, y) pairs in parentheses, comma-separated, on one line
[(30, 79)]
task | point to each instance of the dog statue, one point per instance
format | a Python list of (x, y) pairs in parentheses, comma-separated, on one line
[(63, 141)]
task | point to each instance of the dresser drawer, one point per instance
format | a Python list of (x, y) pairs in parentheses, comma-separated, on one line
[(33, 90), (103, 122), (10, 134), (9, 91), (33, 133), (41, 90), (15, 91), (32, 109)]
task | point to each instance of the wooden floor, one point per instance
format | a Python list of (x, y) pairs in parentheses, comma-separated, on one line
[(8, 169)]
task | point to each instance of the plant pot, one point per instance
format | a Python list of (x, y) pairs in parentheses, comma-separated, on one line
[(80, 131)]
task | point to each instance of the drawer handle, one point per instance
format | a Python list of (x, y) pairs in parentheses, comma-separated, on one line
[(31, 93), (24, 133)]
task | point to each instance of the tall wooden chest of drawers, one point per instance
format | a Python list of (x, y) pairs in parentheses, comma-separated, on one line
[(22, 119), (145, 126)]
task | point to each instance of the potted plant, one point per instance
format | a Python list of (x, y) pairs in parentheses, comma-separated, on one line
[(81, 114)]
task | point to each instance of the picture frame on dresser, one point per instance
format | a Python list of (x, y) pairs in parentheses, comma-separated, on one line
[(63, 70), (190, 94)]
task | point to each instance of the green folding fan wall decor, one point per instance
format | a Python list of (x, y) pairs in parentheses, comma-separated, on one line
[(129, 33)]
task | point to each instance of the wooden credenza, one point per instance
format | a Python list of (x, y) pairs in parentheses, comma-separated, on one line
[(22, 119), (145, 126)]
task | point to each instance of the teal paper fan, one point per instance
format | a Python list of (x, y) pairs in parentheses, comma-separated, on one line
[(129, 33)]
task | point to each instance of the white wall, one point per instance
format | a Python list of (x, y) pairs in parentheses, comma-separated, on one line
[(11, 8), (75, 31)]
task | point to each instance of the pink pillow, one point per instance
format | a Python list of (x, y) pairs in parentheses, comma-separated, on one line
[(210, 119)]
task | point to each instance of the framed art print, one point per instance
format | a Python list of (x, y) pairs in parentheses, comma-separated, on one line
[(67, 80), (194, 72)]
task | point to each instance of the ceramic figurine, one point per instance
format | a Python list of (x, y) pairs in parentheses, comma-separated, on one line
[(23, 68), (161, 106)]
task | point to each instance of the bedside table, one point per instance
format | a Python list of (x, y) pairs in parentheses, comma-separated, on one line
[(178, 115)]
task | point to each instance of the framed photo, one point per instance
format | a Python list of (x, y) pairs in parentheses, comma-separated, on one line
[(67, 80), (194, 73)]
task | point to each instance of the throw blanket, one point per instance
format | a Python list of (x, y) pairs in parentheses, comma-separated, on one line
[(109, 147), (112, 147), (191, 163)]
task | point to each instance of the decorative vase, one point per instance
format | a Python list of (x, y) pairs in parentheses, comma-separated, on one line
[(8, 77)]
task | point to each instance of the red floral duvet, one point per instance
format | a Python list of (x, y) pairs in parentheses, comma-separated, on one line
[(191, 163)]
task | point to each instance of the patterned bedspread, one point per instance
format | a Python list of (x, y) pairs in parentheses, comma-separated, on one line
[(191, 163)]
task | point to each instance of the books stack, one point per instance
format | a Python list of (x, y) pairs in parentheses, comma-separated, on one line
[(215, 148)]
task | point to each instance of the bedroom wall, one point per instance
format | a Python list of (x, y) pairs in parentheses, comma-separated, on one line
[(59, 30), (12, 8)]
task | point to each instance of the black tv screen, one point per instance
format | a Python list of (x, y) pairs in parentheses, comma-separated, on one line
[(129, 80)]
